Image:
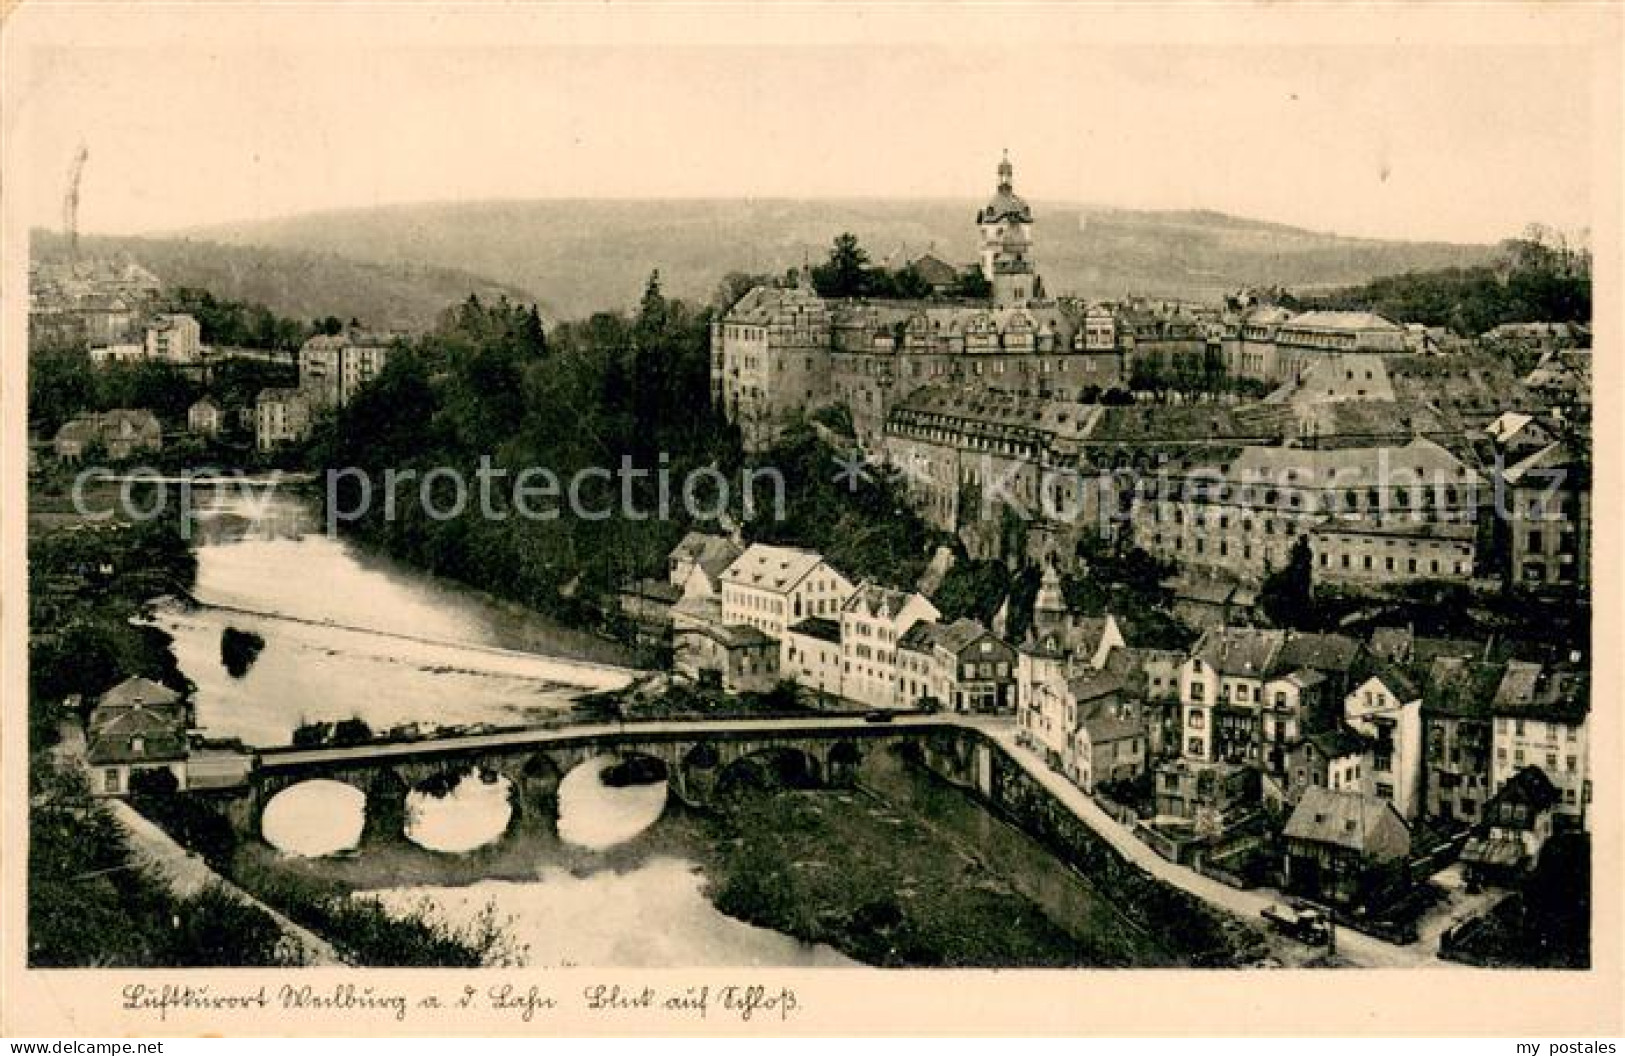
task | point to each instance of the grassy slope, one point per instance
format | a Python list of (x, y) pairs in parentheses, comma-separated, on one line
[(579, 256), (301, 283)]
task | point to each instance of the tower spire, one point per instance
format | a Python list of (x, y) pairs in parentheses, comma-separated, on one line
[(1006, 172)]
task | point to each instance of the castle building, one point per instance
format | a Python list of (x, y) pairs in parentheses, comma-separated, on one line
[(1373, 515), (1006, 260), (781, 351)]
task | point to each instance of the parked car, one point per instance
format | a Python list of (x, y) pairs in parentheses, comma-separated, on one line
[(878, 716), (1304, 923)]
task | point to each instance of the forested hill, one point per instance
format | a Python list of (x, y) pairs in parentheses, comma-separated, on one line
[(301, 283), (577, 257)]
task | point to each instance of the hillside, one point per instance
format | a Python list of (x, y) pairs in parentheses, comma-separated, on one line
[(303, 283), (579, 256)]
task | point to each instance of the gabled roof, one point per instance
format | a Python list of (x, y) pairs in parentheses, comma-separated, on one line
[(774, 568), (963, 632), (876, 601), (1529, 691), (1547, 461), (1076, 636), (1529, 788), (1104, 729), (1398, 683), (1326, 653), (1339, 742), (712, 553), (1461, 688), (1244, 651), (1331, 320), (126, 732), (137, 691), (1093, 685), (1359, 823)]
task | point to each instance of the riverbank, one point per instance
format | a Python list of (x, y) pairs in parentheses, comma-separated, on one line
[(907, 871)]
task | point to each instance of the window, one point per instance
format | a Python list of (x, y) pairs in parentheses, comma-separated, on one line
[(110, 779)]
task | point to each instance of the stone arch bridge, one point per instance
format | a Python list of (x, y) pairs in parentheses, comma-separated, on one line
[(698, 758)]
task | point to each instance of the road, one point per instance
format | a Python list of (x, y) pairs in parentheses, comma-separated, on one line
[(186, 874), (1352, 946), (657, 729)]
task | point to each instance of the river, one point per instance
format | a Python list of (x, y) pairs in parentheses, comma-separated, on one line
[(353, 634), (350, 633)]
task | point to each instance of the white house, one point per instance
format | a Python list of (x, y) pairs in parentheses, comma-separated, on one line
[(1387, 709), (772, 587), (873, 622), (1542, 719), (174, 338)]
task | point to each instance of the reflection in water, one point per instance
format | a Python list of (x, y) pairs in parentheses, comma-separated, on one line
[(652, 916), (596, 816), (315, 818), (474, 813), (269, 554)]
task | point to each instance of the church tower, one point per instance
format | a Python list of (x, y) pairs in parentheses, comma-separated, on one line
[(1006, 224)]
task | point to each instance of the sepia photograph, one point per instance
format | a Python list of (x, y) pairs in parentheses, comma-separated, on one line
[(775, 496)]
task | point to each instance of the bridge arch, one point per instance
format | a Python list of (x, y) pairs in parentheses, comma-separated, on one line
[(768, 768)]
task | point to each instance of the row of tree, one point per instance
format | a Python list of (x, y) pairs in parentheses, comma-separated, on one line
[(1537, 278)]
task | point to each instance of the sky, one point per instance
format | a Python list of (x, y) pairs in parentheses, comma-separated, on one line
[(1413, 140)]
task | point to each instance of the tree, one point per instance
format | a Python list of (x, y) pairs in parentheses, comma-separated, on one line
[(845, 274), (973, 286), (1288, 596)]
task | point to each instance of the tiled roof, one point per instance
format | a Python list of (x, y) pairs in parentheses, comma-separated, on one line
[(1239, 650), (775, 568), (1345, 819), (1461, 688), (1326, 653), (134, 692), (874, 600), (961, 633), (1093, 685), (712, 553), (1338, 742), (1328, 320), (828, 630), (1532, 692), (1104, 729), (1544, 463)]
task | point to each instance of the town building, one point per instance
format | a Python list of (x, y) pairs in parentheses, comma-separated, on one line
[(138, 726), (1541, 718), (118, 434), (204, 418), (1386, 709), (772, 587), (1342, 846), (281, 416), (332, 367), (961, 666), (740, 656), (1337, 758), (173, 337), (1373, 516), (810, 656), (1109, 745), (1547, 523), (1457, 725), (1517, 824), (695, 565), (1211, 796), (873, 621)]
